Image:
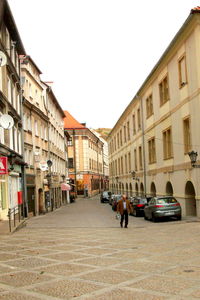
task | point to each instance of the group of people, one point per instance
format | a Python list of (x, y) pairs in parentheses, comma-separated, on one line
[(124, 209)]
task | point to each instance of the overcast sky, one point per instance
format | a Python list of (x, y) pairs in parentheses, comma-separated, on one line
[(97, 53)]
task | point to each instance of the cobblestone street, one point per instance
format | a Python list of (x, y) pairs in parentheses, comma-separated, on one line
[(79, 251)]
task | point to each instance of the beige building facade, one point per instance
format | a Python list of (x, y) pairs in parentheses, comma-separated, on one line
[(85, 158), (44, 141), (11, 143), (149, 144)]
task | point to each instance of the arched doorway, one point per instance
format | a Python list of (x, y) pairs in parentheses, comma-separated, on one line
[(41, 201), (136, 189), (141, 189), (153, 189), (130, 188), (169, 189), (190, 201)]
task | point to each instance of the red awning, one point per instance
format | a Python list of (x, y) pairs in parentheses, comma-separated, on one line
[(65, 187)]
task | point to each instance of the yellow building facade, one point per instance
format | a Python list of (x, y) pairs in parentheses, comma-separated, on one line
[(149, 144)]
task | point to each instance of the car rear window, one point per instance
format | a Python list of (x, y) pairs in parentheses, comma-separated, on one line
[(166, 200)]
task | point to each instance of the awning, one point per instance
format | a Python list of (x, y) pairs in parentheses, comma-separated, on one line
[(65, 187)]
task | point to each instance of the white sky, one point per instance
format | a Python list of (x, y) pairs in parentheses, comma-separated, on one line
[(97, 52)]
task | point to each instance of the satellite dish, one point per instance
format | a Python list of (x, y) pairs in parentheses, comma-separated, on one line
[(6, 121), (43, 166), (3, 59)]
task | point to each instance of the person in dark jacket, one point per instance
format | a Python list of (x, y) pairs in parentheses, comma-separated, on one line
[(124, 208)]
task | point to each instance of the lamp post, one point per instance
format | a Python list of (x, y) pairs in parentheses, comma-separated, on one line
[(193, 157)]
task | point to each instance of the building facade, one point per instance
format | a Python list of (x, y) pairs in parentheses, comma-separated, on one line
[(85, 158), (35, 125), (105, 177), (149, 144), (11, 142), (44, 142)]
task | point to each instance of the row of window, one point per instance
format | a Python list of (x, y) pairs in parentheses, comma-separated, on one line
[(117, 167), (42, 131), (58, 165), (125, 133), (95, 166), (94, 146), (121, 166)]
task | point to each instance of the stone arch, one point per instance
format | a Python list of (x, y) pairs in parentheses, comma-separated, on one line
[(190, 200), (169, 189), (153, 189)]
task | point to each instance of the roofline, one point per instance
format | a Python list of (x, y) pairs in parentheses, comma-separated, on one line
[(49, 89), (12, 26)]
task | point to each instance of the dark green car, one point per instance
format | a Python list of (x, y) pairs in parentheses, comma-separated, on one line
[(162, 207)]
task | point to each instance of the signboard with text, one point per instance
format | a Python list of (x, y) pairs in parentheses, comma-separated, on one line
[(3, 165)]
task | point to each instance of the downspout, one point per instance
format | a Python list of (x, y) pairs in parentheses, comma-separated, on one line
[(75, 169), (143, 144), (24, 185)]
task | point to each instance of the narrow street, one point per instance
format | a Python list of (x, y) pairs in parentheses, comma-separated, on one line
[(80, 252)]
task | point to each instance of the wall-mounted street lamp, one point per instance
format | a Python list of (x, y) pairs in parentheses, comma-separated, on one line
[(193, 157), (133, 173)]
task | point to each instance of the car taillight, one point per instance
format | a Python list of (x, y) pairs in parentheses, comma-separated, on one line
[(176, 204), (158, 205), (140, 205)]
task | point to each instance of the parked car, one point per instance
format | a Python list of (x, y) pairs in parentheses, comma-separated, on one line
[(105, 196), (116, 198), (160, 207), (138, 205)]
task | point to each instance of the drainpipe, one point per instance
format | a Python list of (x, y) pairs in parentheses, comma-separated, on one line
[(143, 147), (24, 186), (75, 169)]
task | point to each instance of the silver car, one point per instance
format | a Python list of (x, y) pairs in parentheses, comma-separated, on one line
[(160, 207)]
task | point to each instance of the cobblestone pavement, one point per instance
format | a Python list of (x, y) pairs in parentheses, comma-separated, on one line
[(79, 251)]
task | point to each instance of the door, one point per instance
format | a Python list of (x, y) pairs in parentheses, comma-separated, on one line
[(31, 199)]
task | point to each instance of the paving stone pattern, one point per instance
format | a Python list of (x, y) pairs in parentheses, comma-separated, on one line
[(80, 252)]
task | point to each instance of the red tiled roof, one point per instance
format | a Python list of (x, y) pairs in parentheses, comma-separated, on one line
[(195, 10), (70, 122)]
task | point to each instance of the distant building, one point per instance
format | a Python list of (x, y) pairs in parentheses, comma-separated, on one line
[(85, 158), (105, 179)]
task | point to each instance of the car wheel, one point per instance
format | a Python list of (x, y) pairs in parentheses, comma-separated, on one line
[(154, 219), (145, 217), (179, 218)]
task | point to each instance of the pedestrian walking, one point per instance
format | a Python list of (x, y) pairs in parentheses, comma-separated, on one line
[(124, 208)]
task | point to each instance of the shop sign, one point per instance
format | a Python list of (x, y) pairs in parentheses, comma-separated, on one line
[(3, 165)]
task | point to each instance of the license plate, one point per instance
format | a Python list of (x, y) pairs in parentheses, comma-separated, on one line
[(169, 213)]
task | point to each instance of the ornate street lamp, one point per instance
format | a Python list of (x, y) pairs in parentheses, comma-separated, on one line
[(133, 173), (193, 157)]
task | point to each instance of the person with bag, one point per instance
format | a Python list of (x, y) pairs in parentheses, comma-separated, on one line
[(124, 208)]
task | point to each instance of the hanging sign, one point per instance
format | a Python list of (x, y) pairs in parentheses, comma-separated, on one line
[(3, 165)]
